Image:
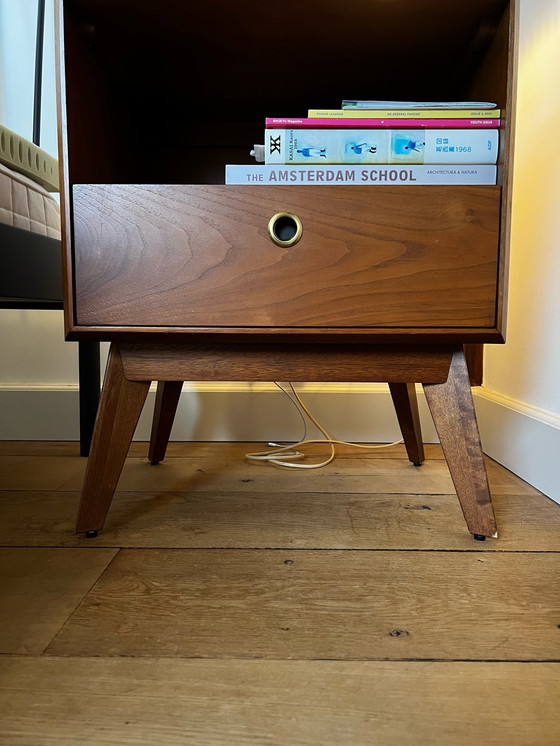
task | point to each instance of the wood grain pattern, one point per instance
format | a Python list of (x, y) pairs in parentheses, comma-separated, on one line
[(406, 407), (190, 449), (116, 120), (383, 257), (450, 402), (132, 367), (119, 409), (453, 412), (193, 361), (26, 472), (235, 450), (48, 701), (306, 519), (316, 604), (506, 605), (64, 177), (167, 400), (474, 356), (497, 72), (309, 334), (40, 588), (512, 32), (358, 476)]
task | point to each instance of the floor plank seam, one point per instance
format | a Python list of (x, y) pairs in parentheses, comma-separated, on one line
[(84, 596), (275, 549), (349, 659)]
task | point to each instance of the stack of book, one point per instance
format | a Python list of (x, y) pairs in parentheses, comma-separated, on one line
[(379, 142)]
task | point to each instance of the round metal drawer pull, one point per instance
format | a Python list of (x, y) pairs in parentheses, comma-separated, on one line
[(285, 229)]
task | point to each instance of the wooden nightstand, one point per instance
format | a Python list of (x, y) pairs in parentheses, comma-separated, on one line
[(387, 283)]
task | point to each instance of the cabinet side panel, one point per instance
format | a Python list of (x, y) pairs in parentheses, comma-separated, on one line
[(65, 192), (507, 190), (496, 80)]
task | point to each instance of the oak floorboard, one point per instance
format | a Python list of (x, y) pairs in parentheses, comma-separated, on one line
[(66, 448), (238, 450), (39, 589), (38, 472), (278, 520), (105, 702), (347, 475), (496, 601), (320, 604), (196, 449)]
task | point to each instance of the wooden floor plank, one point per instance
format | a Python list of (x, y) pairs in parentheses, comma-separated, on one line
[(39, 589), (433, 450), (47, 702), (278, 520), (320, 604), (197, 449), (495, 601), (348, 475), (39, 448), (216, 451), (38, 472)]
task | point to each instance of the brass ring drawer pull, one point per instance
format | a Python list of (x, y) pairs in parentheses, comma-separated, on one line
[(285, 229)]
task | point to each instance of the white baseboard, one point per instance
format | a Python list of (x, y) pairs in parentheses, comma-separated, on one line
[(524, 439), (39, 413), (221, 412)]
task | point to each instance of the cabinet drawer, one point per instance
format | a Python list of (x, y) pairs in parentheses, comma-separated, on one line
[(368, 257)]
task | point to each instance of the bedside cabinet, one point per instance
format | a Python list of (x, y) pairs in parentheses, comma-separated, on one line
[(191, 279)]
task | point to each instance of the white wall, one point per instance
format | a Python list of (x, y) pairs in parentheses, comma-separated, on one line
[(519, 406), (520, 412), (528, 367)]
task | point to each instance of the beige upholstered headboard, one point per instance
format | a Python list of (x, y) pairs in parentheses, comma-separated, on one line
[(23, 156), (27, 175), (25, 204)]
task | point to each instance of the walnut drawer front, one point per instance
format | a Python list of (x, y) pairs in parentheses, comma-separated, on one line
[(201, 256)]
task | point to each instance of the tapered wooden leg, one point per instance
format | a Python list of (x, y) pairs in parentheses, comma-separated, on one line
[(167, 400), (474, 355), (406, 407), (452, 409), (120, 407)]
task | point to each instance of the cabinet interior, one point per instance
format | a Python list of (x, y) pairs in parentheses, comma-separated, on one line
[(169, 92)]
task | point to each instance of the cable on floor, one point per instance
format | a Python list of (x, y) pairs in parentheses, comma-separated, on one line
[(278, 455)]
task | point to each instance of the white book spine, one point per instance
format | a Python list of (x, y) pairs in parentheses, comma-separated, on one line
[(381, 146), (267, 175)]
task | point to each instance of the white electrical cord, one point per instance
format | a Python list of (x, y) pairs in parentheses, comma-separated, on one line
[(287, 452), (298, 410)]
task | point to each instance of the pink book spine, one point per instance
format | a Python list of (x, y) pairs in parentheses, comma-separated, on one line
[(359, 123)]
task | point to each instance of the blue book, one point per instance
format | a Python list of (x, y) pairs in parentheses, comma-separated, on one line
[(376, 146)]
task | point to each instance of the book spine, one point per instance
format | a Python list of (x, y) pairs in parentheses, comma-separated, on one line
[(333, 123), (380, 146), (365, 104), (360, 175), (404, 113)]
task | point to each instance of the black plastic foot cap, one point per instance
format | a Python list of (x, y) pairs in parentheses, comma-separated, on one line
[(479, 537), (91, 534)]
